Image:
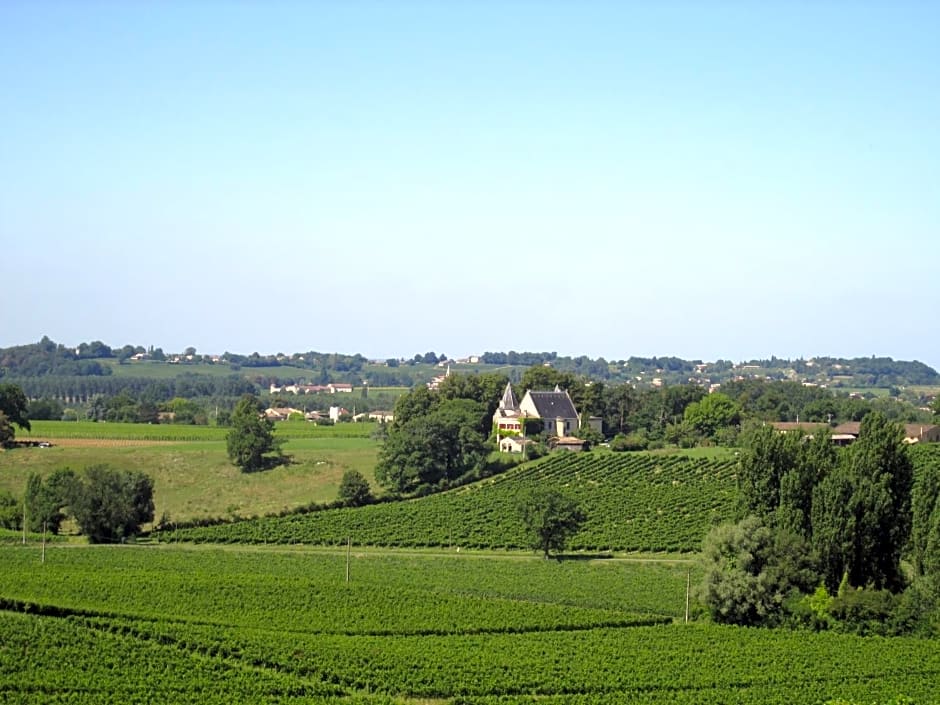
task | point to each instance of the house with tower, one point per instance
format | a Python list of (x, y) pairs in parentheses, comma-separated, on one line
[(555, 410)]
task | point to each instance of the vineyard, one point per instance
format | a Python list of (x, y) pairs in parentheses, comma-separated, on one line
[(634, 502), (216, 625)]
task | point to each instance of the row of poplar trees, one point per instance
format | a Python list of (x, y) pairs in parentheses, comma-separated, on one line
[(858, 508)]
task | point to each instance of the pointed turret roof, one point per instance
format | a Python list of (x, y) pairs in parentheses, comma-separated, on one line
[(509, 400)]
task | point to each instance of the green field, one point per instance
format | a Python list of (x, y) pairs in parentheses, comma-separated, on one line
[(113, 624), (193, 477), (633, 501)]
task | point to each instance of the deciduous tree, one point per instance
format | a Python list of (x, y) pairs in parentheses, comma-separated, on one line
[(354, 490), (110, 505), (550, 518), (14, 409), (251, 443)]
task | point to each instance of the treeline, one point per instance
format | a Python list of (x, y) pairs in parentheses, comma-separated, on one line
[(49, 358), (108, 505), (687, 414), (82, 389), (824, 534)]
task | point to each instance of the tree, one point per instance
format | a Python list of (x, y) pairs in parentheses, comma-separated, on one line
[(438, 436), (442, 444), (14, 409), (110, 505), (766, 456), (861, 513), (549, 518), (45, 409), (924, 502), (749, 571), (354, 490), (11, 511), (712, 413), (251, 443), (45, 499)]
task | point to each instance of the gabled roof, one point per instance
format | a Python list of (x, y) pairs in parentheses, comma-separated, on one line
[(911, 430), (553, 405)]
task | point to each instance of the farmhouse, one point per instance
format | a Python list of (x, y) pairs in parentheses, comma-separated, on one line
[(913, 432), (554, 410)]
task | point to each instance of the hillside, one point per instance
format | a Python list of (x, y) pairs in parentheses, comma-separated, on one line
[(83, 368), (634, 502)]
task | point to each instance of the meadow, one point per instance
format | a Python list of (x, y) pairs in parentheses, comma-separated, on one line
[(192, 475), (184, 624)]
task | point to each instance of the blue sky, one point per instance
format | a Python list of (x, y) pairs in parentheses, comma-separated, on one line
[(709, 180)]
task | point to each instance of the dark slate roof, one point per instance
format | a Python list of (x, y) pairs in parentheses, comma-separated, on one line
[(552, 405)]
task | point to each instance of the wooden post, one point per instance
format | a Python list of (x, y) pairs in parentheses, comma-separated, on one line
[(688, 590), (348, 545)]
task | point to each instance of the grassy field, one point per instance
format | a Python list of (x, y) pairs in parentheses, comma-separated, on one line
[(62, 430), (192, 475), (182, 624)]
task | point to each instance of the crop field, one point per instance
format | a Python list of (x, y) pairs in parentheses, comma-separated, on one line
[(634, 502), (193, 477), (184, 624)]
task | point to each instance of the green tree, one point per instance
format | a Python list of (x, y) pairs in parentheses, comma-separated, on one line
[(14, 409), (924, 498), (861, 512), (45, 409), (251, 443), (110, 505), (442, 444), (11, 511), (712, 413), (749, 571), (45, 500), (549, 518), (816, 458), (765, 457), (931, 562), (354, 490)]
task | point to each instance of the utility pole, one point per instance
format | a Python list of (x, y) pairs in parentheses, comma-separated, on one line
[(688, 591), (348, 546), (24, 520), (43, 560)]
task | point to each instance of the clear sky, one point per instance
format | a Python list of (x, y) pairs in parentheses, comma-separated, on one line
[(701, 179)]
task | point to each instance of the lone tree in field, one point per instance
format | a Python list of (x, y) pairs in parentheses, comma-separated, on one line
[(550, 518), (251, 442), (354, 490)]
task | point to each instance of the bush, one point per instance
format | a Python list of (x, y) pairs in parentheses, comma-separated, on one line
[(628, 442), (354, 490), (864, 612)]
